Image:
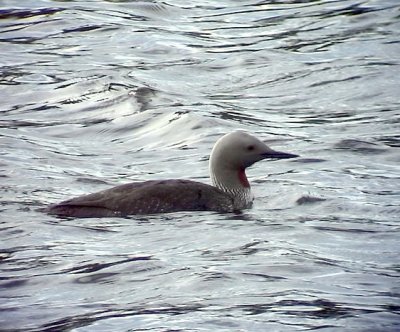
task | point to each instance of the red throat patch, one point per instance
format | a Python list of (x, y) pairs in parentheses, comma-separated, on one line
[(243, 179)]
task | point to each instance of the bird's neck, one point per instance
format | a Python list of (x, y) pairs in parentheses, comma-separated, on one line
[(241, 174), (234, 182)]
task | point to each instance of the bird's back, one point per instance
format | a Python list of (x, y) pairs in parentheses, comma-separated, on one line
[(146, 198)]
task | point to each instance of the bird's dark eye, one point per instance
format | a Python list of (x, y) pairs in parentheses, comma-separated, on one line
[(250, 148)]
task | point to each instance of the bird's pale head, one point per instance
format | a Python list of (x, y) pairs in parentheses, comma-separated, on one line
[(239, 150)]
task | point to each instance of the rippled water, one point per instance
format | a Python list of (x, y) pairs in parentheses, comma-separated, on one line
[(97, 93)]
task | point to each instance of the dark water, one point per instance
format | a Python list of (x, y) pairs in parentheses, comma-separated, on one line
[(97, 93)]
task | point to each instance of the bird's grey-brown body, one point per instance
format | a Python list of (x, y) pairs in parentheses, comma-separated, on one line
[(146, 198), (230, 191)]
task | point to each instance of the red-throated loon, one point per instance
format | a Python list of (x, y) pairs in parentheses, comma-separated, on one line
[(230, 191)]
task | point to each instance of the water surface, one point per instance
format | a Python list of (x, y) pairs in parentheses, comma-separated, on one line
[(99, 93)]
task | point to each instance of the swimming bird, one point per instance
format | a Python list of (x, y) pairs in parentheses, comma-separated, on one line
[(230, 190)]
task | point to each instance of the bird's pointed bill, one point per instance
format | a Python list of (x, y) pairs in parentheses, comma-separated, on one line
[(278, 155)]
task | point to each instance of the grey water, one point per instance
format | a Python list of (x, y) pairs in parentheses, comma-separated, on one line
[(99, 93)]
